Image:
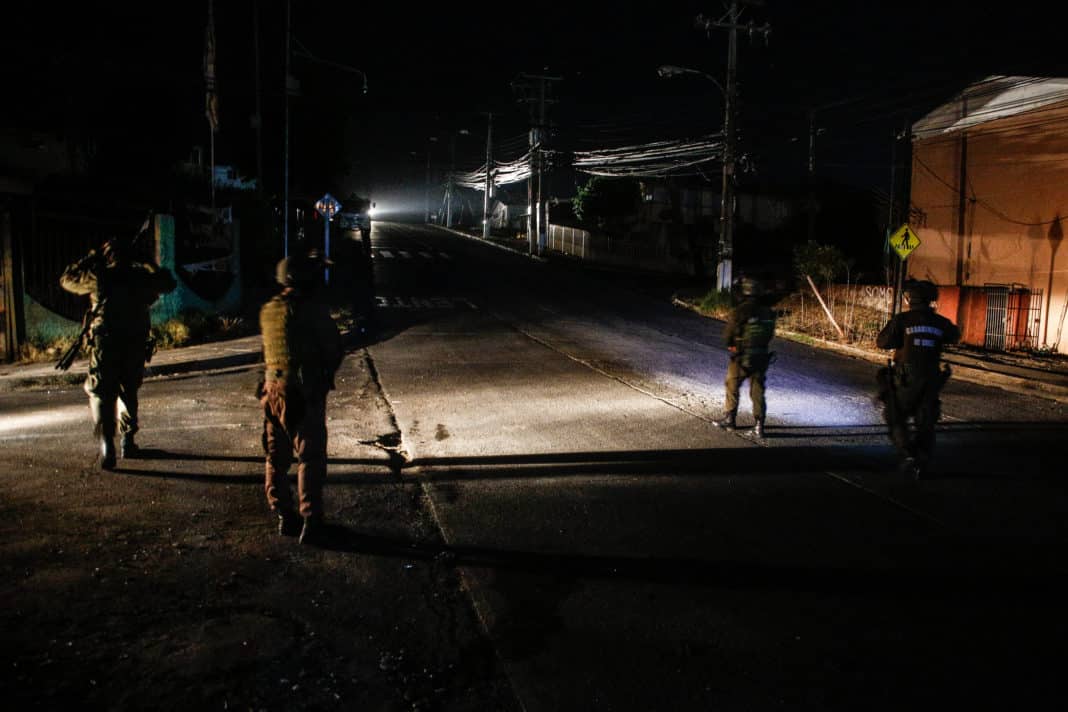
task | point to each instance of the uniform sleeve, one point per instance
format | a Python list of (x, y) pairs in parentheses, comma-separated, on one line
[(329, 339), (950, 333), (890, 337), (151, 282), (163, 281), (80, 277), (732, 331)]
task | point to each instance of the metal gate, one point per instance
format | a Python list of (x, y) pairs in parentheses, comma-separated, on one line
[(1013, 315)]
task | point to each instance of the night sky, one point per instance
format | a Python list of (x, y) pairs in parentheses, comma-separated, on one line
[(131, 76)]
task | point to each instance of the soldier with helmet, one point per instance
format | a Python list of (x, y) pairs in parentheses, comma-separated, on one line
[(302, 350), (121, 291), (913, 382), (749, 330)]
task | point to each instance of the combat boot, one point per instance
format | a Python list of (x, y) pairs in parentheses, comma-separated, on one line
[(726, 421), (289, 524), (910, 467), (107, 453), (128, 448), (758, 429), (314, 532)]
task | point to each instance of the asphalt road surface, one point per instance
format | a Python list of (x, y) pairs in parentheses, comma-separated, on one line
[(539, 515)]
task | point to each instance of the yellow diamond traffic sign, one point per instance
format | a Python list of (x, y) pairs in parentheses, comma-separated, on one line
[(904, 241)]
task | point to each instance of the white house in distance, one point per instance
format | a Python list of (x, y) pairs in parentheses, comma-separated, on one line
[(989, 200)]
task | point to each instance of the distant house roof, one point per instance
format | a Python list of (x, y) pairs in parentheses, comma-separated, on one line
[(996, 97)]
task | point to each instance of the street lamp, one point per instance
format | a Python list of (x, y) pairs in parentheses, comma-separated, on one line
[(726, 213)]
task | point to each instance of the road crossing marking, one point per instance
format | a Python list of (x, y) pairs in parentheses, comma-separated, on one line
[(392, 302), (407, 255)]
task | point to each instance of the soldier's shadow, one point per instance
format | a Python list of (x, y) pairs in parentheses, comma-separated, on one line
[(151, 453)]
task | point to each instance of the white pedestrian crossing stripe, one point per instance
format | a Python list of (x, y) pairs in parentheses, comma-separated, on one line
[(389, 302), (407, 255)]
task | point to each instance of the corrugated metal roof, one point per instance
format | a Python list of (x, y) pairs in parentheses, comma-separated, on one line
[(996, 97)]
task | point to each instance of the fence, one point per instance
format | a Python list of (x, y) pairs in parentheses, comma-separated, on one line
[(645, 253), (569, 240)]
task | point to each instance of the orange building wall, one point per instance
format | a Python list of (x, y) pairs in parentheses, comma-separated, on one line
[(1017, 199)]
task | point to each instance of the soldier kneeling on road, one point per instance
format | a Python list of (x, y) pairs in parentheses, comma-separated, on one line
[(302, 350), (911, 384)]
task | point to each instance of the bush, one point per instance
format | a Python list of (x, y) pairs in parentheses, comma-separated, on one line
[(37, 350), (716, 302), (824, 263), (194, 327)]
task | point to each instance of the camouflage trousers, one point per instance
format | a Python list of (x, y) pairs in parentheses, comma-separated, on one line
[(911, 410), (116, 372), (736, 374), (294, 428)]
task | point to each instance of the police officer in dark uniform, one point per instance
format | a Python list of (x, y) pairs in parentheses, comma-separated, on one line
[(749, 330), (302, 350), (121, 291), (912, 383)]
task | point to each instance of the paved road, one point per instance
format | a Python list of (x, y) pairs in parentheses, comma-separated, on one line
[(634, 557), (539, 516)]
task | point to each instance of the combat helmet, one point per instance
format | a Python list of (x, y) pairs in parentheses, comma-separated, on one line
[(750, 287), (920, 293), (302, 270)]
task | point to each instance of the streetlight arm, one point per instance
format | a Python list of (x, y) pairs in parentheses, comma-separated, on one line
[(670, 70), (336, 65)]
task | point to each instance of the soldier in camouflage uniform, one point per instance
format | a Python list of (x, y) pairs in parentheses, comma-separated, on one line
[(748, 332), (911, 386), (301, 350), (121, 291)]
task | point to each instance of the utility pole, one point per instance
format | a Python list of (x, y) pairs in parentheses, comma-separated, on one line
[(257, 119), (537, 223), (489, 179), (813, 133), (285, 144), (811, 175), (729, 22), (426, 190), (448, 183)]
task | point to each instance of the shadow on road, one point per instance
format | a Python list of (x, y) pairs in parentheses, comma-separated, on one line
[(981, 458), (897, 582)]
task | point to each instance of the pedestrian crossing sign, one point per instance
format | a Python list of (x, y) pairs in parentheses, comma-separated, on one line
[(904, 241)]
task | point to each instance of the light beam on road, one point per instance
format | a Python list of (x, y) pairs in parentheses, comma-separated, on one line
[(26, 424)]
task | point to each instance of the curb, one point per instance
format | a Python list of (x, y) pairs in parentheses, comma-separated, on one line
[(491, 243)]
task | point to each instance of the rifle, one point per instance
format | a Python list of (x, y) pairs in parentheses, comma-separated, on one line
[(70, 354)]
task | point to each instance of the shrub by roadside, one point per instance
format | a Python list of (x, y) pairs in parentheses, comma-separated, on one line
[(184, 330), (800, 312)]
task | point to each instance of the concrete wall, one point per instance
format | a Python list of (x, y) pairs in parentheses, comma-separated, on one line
[(43, 325), (184, 298)]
